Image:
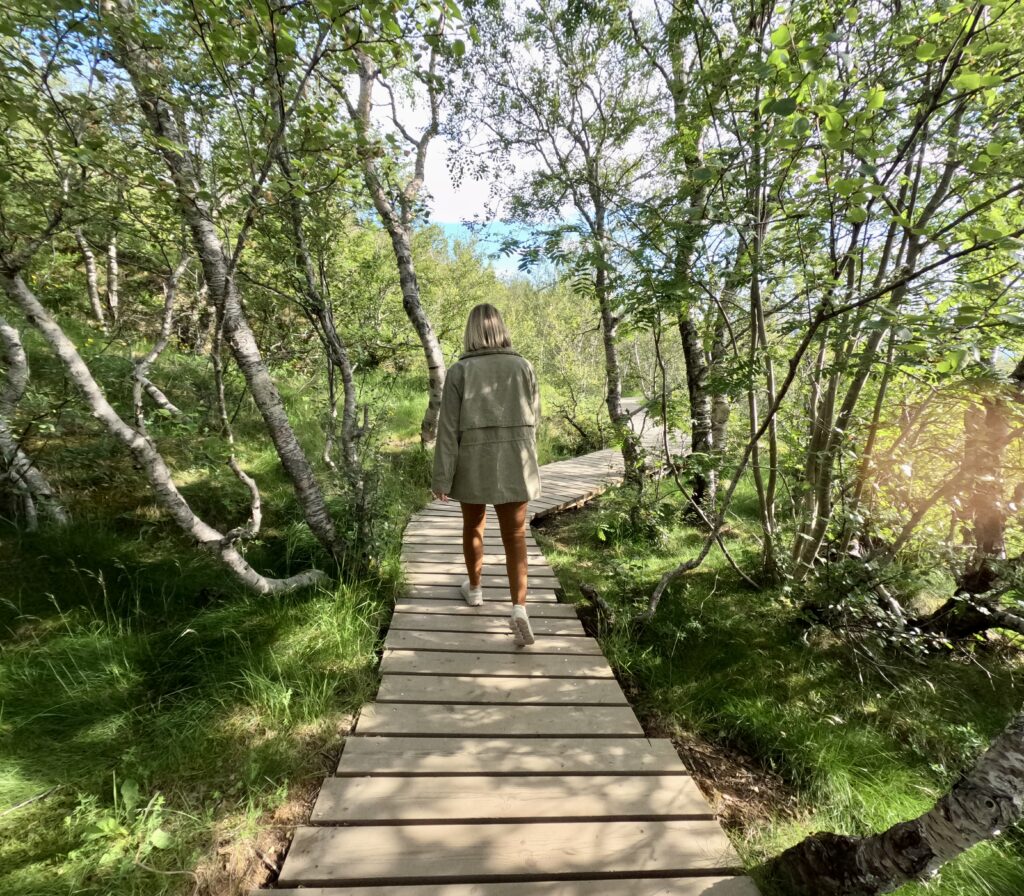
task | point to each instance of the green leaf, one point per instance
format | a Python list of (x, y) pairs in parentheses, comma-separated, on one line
[(130, 793), (285, 44), (782, 36), (876, 98), (967, 81), (857, 215), (160, 838), (459, 47), (926, 51), (779, 58), (852, 14), (784, 106)]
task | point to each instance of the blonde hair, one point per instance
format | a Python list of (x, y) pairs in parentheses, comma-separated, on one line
[(485, 329)]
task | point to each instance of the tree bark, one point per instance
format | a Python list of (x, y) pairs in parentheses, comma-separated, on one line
[(28, 481), (147, 78), (113, 280), (701, 432), (91, 278), (980, 806), (398, 223), (143, 449), (142, 365)]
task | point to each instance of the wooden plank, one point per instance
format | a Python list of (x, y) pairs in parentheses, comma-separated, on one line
[(487, 608), (404, 756), (449, 853), (498, 625), (457, 567), (415, 577), (544, 665), (491, 592), (493, 691), (662, 886), (451, 553), (486, 798), (483, 642), (450, 720)]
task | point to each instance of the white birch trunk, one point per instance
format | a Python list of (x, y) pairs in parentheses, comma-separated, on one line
[(147, 75), (91, 278), (143, 450), (32, 487)]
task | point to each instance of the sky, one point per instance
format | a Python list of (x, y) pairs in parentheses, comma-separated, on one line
[(450, 206)]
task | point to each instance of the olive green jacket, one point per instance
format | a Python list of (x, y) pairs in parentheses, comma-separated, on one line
[(486, 432)]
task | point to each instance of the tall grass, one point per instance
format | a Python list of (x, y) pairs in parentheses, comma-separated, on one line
[(863, 741)]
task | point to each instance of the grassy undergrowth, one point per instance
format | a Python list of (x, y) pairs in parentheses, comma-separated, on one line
[(159, 727), (860, 741)]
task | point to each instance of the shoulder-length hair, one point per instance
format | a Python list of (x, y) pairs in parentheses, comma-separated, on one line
[(485, 329)]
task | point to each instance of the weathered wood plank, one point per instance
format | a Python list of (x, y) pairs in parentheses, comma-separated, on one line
[(484, 798), (487, 608), (491, 592), (497, 625), (446, 853), (448, 720), (492, 691), (663, 886), (403, 756), (422, 577), (457, 567), (483, 642), (438, 662)]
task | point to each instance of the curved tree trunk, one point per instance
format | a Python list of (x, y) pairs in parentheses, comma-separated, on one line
[(143, 450), (28, 481), (397, 220), (980, 806), (91, 278), (147, 77), (142, 365)]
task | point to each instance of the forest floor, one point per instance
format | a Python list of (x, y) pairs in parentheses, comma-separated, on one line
[(787, 726)]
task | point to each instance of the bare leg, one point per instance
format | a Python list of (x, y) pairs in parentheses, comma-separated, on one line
[(512, 521), (474, 517)]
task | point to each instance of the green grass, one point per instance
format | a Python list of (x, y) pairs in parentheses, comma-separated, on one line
[(863, 743), (152, 712)]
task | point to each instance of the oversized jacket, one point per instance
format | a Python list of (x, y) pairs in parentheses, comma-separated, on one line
[(486, 450)]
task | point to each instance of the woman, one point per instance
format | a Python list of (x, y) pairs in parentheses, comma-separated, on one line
[(486, 452)]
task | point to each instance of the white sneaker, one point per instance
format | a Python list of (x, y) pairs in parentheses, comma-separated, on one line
[(474, 596), (520, 625)]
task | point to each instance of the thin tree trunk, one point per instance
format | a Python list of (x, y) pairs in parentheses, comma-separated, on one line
[(397, 222), (143, 450), (113, 280), (721, 406), (29, 483), (984, 803), (701, 432), (91, 279), (147, 75), (143, 364)]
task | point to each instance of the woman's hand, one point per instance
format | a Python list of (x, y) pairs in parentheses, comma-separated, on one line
[(440, 496)]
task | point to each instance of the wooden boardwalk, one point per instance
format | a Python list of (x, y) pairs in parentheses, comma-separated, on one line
[(483, 769)]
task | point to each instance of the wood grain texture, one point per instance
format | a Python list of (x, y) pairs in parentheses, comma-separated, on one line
[(666, 886), (452, 719), (459, 607), (484, 642), (483, 799), (433, 622), (368, 755), (499, 691), (412, 853), (552, 665)]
